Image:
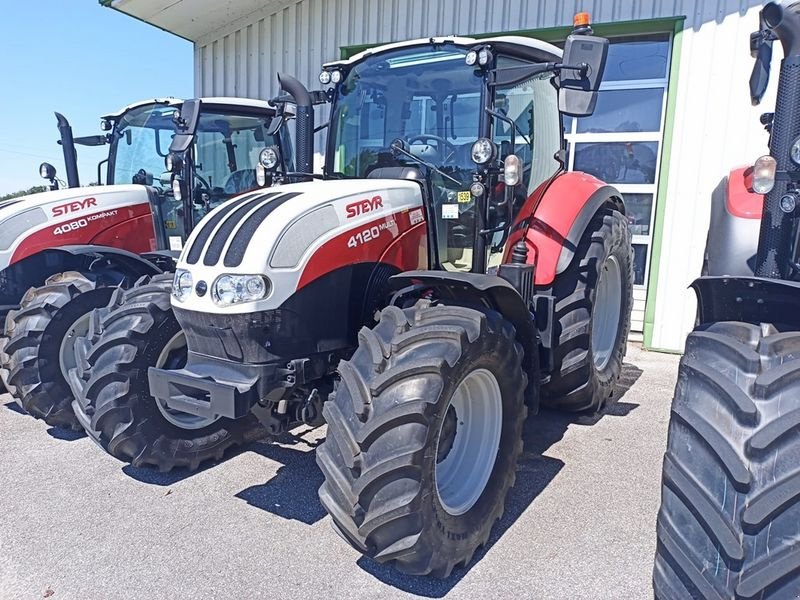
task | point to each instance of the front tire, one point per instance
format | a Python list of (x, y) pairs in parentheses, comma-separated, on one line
[(424, 433), (39, 350), (136, 331), (730, 499), (594, 298)]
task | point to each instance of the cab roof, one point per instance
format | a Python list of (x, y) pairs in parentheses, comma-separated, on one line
[(516, 45), (214, 101)]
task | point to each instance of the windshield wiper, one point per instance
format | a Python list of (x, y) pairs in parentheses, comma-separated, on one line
[(399, 146)]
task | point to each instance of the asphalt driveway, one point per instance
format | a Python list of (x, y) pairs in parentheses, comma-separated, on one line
[(76, 523)]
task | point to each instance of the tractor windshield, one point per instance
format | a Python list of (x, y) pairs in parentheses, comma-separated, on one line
[(425, 95), (140, 144), (226, 147)]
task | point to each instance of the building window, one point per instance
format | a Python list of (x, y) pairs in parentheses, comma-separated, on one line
[(621, 142)]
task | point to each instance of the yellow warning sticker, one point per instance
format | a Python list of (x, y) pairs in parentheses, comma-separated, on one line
[(464, 197)]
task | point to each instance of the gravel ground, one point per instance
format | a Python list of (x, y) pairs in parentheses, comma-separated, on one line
[(580, 523)]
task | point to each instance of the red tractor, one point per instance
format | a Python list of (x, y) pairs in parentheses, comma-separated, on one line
[(62, 252), (729, 521), (442, 277)]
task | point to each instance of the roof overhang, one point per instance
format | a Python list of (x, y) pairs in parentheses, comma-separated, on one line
[(190, 19)]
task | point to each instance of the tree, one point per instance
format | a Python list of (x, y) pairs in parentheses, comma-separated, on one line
[(34, 190)]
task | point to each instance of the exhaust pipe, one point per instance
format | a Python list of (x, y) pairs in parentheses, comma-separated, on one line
[(775, 250), (68, 147), (304, 155)]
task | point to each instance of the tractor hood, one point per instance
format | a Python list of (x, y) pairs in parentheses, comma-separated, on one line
[(34, 222), (293, 234)]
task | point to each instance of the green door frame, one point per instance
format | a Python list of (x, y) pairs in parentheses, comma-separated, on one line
[(673, 25)]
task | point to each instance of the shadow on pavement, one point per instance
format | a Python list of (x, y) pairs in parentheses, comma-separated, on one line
[(67, 435), (14, 407), (292, 492)]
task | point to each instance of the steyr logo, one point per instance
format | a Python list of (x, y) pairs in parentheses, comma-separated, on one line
[(74, 206), (363, 206)]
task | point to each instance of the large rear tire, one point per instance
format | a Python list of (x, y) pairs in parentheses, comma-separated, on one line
[(594, 298), (730, 497), (138, 330), (39, 350), (424, 433)]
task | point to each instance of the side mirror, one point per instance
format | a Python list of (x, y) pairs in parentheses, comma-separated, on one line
[(581, 73)]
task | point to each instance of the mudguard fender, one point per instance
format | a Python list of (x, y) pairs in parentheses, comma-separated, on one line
[(35, 269), (560, 218), (748, 299)]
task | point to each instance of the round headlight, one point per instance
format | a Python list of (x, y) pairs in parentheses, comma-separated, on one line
[(44, 171), (336, 76), (182, 284), (224, 290), (176, 189), (254, 287), (484, 57), (483, 150), (794, 152), (325, 77), (477, 189), (764, 174), (269, 158), (471, 58)]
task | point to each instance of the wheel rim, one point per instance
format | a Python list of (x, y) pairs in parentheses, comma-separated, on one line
[(464, 470), (66, 352), (173, 356), (606, 313)]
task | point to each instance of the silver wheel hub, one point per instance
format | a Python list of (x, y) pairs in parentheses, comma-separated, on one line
[(463, 469), (66, 352), (606, 312), (166, 359)]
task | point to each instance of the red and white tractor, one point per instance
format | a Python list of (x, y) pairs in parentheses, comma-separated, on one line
[(729, 521), (62, 252), (441, 278)]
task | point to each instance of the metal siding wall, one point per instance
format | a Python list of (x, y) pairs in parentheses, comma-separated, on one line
[(715, 126)]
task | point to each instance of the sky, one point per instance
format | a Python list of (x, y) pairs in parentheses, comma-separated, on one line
[(82, 60)]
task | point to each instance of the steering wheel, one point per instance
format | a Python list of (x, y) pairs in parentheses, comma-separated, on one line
[(440, 143)]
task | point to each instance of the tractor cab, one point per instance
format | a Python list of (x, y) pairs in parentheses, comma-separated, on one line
[(196, 155), (477, 121), (193, 155)]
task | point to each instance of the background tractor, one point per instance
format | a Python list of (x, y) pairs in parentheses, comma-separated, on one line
[(730, 505), (444, 276), (62, 252)]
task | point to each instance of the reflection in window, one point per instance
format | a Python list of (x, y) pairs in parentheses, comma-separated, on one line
[(618, 162), (642, 57), (625, 110), (639, 263), (639, 208)]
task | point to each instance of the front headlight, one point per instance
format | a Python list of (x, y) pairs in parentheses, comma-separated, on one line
[(182, 284), (173, 162), (483, 150), (234, 289), (269, 158)]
